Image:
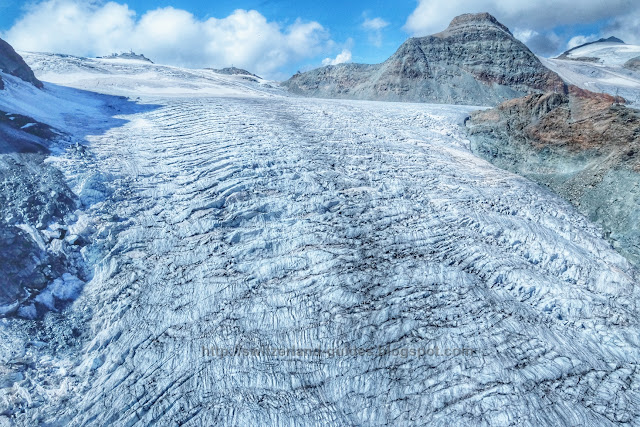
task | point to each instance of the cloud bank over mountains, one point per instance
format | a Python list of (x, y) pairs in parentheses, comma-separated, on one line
[(534, 22), (247, 39), (167, 35)]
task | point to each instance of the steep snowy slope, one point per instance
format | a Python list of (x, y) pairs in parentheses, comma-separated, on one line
[(254, 223)]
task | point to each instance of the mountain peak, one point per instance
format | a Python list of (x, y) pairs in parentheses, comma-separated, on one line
[(475, 61), (474, 20), (611, 39)]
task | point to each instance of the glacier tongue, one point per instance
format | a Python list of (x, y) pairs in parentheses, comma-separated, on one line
[(282, 224)]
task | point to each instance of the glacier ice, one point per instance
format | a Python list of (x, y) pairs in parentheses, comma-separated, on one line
[(247, 219)]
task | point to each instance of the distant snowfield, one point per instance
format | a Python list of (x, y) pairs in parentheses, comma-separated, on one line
[(245, 219), (138, 78), (609, 53), (608, 75)]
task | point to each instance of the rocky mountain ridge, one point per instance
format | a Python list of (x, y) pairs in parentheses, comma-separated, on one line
[(232, 71), (127, 55), (476, 61), (12, 63)]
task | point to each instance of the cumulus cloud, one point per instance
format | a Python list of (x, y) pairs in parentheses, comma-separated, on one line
[(546, 43), (580, 40), (525, 35), (528, 17), (344, 56), (374, 27), (374, 24), (625, 26), (167, 35)]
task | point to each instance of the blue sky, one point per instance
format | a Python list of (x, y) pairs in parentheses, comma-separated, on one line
[(278, 37)]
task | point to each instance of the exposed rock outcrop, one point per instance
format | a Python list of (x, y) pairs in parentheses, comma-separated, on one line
[(12, 63), (127, 55), (32, 194), (23, 134), (633, 64), (476, 60), (582, 145), (232, 71)]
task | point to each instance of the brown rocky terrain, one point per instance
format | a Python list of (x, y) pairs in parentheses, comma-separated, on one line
[(583, 145)]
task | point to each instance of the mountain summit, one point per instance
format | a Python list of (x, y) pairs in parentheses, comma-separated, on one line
[(476, 60), (469, 22), (611, 39)]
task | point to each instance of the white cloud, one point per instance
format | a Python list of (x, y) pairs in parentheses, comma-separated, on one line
[(432, 16), (580, 40), (167, 35), (532, 21), (625, 26), (374, 24), (344, 56), (374, 27), (525, 35)]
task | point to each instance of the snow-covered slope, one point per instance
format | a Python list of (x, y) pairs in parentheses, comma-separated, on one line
[(613, 79), (135, 78), (245, 221), (600, 67), (606, 53)]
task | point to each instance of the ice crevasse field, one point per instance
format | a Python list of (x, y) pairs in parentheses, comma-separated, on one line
[(224, 214)]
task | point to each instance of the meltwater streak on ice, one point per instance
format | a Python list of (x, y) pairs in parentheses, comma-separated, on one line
[(274, 222)]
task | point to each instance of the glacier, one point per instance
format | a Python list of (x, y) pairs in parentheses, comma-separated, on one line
[(226, 214)]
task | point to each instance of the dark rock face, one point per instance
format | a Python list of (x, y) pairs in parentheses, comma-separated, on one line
[(32, 195), (476, 60), (232, 71), (27, 268), (633, 64), (34, 202), (23, 134), (582, 145), (128, 55), (12, 63)]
